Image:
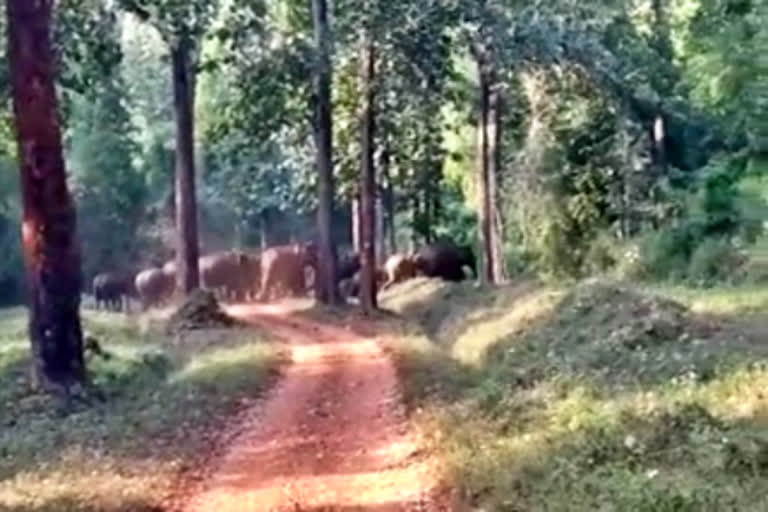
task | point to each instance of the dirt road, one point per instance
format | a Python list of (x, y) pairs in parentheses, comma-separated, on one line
[(331, 436)]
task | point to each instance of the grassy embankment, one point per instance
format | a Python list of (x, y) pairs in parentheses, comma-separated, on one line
[(591, 397), (166, 401)]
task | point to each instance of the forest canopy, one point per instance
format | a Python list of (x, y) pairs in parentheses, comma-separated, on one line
[(612, 126)]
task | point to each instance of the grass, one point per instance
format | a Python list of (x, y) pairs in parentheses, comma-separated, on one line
[(166, 400), (592, 397), (725, 300)]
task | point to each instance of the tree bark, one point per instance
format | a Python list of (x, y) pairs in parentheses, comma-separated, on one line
[(485, 213), (494, 133), (380, 244), (488, 164), (356, 223), (51, 251), (427, 212), (416, 234), (326, 288), (658, 135), (389, 201), (187, 246), (367, 178)]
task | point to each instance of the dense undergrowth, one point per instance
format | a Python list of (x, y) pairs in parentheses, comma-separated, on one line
[(164, 400), (599, 396)]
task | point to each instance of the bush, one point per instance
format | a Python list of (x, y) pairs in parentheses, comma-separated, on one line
[(715, 260), (665, 254), (604, 254), (558, 247), (517, 261)]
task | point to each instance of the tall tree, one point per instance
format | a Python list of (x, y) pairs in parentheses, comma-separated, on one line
[(367, 175), (326, 289), (187, 246), (48, 226), (388, 199), (182, 26), (488, 163), (663, 45)]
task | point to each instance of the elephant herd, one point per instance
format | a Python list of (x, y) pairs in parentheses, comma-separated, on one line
[(273, 273)]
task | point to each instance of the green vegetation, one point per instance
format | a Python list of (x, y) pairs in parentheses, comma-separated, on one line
[(629, 141), (580, 183), (598, 396), (159, 409)]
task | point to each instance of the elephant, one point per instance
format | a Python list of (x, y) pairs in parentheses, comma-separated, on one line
[(170, 267), (113, 290), (349, 265), (399, 267), (446, 260), (284, 267), (233, 274), (154, 287)]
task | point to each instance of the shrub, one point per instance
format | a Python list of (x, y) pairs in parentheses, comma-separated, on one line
[(516, 260), (604, 254), (714, 260), (665, 254)]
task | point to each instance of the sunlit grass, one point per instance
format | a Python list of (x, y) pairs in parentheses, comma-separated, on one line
[(484, 328), (582, 410), (749, 298), (164, 401)]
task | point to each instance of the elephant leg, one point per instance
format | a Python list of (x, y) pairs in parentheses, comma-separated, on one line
[(266, 286)]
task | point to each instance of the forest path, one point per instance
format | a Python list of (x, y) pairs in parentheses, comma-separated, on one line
[(331, 435)]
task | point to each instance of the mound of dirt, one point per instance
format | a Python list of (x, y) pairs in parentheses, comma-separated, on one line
[(200, 310), (616, 315)]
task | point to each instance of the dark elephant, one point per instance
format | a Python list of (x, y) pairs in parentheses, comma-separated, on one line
[(446, 260), (350, 287), (283, 269), (112, 290), (154, 287), (349, 265), (231, 274)]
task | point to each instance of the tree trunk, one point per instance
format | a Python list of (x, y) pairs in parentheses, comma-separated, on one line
[(326, 288), (485, 214), (389, 201), (493, 131), (659, 144), (356, 222), (187, 248), (379, 221), (51, 251), (663, 44), (416, 238), (263, 235), (367, 179), (426, 217), (432, 201)]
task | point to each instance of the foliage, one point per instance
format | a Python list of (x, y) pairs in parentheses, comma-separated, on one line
[(723, 47), (715, 261), (717, 220), (585, 398), (582, 85), (109, 192), (11, 272)]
